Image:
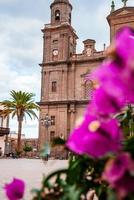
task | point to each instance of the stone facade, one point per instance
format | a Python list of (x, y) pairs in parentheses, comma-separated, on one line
[(64, 89)]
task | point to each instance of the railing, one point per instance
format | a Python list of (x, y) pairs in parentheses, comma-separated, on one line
[(57, 25), (4, 131), (85, 57)]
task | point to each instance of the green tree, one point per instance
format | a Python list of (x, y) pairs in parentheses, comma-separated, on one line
[(20, 105)]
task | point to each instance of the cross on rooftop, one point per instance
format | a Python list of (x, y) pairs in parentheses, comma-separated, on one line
[(125, 2), (112, 6)]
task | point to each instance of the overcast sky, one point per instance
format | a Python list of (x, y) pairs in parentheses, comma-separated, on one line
[(21, 42)]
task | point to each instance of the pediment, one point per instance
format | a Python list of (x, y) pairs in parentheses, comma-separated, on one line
[(124, 12)]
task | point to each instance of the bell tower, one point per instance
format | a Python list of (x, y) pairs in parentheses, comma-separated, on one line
[(59, 36), (61, 11), (59, 43)]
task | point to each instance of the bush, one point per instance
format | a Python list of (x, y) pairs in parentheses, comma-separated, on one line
[(27, 148)]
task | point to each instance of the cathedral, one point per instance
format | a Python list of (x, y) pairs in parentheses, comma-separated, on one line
[(65, 90)]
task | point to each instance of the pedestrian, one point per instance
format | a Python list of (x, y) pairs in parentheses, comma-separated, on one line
[(46, 152), (0, 151)]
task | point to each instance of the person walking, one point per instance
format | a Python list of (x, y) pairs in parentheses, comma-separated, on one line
[(46, 152), (1, 152)]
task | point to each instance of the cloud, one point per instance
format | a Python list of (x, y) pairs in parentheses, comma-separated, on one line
[(89, 20), (21, 41), (7, 1), (21, 51), (9, 80), (13, 80)]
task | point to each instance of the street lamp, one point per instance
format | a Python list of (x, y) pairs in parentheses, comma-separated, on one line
[(47, 121)]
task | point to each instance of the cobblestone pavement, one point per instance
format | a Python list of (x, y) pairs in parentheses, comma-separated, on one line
[(30, 170)]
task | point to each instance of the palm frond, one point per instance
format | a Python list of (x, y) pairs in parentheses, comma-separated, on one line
[(21, 103), (28, 115), (14, 113), (32, 113), (5, 112)]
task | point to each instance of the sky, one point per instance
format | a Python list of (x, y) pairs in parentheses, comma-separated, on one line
[(21, 42)]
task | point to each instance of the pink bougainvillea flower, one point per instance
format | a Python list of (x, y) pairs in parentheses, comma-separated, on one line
[(117, 78), (15, 189), (124, 45), (110, 77), (104, 104), (119, 173), (95, 138), (117, 82), (124, 48)]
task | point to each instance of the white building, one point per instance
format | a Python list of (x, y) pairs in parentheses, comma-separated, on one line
[(4, 131)]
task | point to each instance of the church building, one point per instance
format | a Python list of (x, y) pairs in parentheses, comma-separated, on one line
[(65, 91)]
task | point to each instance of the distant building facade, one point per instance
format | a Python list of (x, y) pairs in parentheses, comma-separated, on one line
[(12, 141), (30, 142), (65, 91), (33, 143), (4, 131)]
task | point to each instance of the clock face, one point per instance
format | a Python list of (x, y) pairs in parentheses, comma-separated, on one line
[(55, 52)]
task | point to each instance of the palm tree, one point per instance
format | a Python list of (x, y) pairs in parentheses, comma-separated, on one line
[(20, 105)]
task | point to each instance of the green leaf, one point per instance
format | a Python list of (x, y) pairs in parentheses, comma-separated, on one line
[(129, 145), (71, 192), (111, 195)]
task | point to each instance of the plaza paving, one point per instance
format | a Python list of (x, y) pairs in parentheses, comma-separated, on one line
[(30, 170)]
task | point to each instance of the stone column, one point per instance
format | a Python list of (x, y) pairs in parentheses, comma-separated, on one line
[(65, 84), (73, 81), (60, 88), (43, 77), (46, 85), (47, 51), (72, 112)]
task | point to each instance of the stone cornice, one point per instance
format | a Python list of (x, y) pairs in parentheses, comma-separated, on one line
[(87, 60), (62, 102), (53, 63), (51, 27)]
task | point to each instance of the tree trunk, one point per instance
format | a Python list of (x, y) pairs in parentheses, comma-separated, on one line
[(19, 135)]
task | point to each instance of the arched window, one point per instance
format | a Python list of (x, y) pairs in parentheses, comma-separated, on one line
[(88, 89), (57, 15)]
